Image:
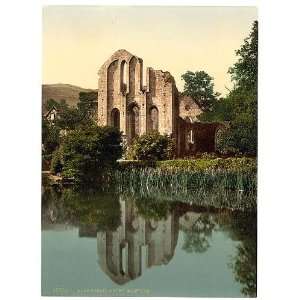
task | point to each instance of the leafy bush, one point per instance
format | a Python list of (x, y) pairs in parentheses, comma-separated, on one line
[(88, 152), (239, 108), (50, 136), (227, 164), (152, 146), (136, 164), (56, 162)]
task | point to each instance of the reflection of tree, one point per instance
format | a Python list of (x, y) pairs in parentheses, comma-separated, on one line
[(244, 267), (86, 207), (196, 239), (52, 207), (242, 227), (152, 208)]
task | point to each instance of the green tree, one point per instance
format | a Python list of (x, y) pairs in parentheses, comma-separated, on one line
[(240, 105), (70, 118), (199, 86), (50, 136), (90, 151), (87, 104), (152, 146), (244, 71), (56, 161)]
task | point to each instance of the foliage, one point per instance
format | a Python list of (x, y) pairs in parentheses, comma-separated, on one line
[(87, 104), (81, 207), (243, 227), (240, 105), (88, 152), (50, 103), (199, 86), (152, 146), (221, 110), (242, 135), (196, 239), (151, 208), (50, 136), (69, 118), (56, 162), (244, 71), (137, 164), (89, 207), (82, 115), (214, 188), (237, 164)]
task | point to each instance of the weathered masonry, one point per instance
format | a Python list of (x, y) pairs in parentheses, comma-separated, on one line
[(138, 105)]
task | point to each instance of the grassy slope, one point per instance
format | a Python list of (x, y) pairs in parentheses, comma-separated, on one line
[(60, 91)]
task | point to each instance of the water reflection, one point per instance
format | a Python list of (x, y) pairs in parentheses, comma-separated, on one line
[(137, 233), (121, 252)]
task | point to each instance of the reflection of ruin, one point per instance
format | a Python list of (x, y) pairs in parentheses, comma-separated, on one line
[(136, 242)]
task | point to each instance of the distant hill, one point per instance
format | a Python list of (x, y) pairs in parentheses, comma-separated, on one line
[(61, 91)]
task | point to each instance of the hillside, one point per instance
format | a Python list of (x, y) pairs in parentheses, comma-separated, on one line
[(60, 91)]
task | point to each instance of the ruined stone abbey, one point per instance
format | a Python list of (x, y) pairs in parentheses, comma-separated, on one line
[(138, 105)]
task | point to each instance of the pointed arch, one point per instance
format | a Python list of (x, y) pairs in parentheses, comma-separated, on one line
[(115, 118), (133, 121), (123, 76), (154, 118)]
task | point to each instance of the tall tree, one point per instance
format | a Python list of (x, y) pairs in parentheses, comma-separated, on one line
[(87, 104), (199, 86), (240, 105), (244, 71)]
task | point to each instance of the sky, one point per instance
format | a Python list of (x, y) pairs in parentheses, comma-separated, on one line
[(77, 40)]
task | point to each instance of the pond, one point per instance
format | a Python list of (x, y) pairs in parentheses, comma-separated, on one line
[(101, 243)]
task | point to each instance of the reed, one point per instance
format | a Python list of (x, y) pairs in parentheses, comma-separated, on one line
[(218, 188)]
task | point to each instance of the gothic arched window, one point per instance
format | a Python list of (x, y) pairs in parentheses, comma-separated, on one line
[(133, 123), (123, 75), (115, 118), (154, 118)]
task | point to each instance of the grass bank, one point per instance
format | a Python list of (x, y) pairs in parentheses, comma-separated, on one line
[(229, 182), (235, 164)]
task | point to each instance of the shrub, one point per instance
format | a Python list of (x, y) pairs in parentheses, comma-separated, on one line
[(50, 137), (227, 164), (136, 164), (88, 152), (152, 146), (56, 162)]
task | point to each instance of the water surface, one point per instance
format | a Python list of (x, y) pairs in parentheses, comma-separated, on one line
[(112, 244)]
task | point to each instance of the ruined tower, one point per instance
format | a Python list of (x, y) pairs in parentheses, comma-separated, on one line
[(133, 104), (137, 105)]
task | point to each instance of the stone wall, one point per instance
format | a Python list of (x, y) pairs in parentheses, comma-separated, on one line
[(194, 138), (122, 89), (188, 108), (136, 105)]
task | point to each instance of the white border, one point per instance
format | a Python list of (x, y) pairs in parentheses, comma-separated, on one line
[(278, 255)]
